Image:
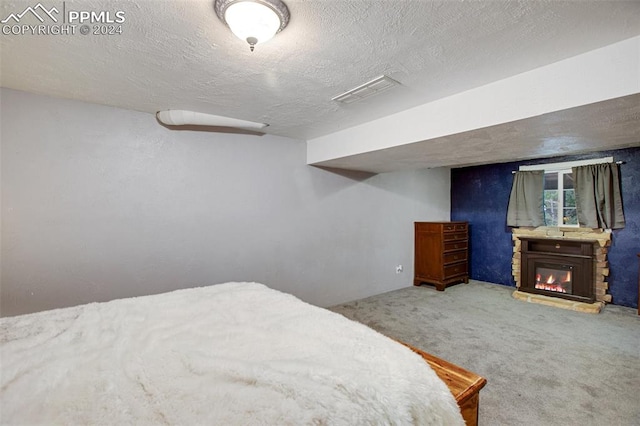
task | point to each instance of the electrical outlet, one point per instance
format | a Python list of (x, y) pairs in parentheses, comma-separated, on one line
[(398, 269)]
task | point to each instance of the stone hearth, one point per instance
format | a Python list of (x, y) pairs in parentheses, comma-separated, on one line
[(591, 308)]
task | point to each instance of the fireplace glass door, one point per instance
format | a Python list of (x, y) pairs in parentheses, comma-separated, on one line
[(554, 277)]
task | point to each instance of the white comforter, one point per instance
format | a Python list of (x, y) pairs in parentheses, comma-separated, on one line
[(229, 354)]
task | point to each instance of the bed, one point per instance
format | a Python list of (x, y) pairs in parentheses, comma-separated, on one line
[(227, 354)]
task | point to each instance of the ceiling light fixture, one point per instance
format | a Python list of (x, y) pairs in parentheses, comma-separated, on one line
[(174, 117), (254, 21)]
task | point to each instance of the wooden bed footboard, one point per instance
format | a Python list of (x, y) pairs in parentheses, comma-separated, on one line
[(464, 385)]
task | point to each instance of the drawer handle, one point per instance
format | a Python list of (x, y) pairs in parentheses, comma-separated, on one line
[(557, 246)]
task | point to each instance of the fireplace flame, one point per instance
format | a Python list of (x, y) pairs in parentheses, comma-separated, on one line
[(551, 287), (551, 283)]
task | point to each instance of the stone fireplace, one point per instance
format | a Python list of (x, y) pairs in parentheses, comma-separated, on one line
[(565, 263)]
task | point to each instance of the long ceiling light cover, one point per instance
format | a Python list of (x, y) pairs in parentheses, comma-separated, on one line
[(176, 117), (254, 21)]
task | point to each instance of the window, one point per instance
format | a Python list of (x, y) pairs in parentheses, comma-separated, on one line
[(559, 196), (559, 199)]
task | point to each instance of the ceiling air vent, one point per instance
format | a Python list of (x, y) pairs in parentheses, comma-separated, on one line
[(377, 85)]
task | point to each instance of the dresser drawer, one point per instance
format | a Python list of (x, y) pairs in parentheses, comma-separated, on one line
[(454, 227), (455, 256), (455, 236), (455, 245), (455, 269)]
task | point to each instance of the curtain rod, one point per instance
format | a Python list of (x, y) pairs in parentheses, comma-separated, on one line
[(513, 172)]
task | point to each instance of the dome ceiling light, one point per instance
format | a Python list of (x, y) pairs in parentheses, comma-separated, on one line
[(254, 21)]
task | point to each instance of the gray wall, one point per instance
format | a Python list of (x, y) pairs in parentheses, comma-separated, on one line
[(101, 203)]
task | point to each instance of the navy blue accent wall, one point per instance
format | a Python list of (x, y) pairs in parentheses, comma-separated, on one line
[(480, 195)]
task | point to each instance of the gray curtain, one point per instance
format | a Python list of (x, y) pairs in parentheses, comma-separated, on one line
[(598, 196), (525, 203)]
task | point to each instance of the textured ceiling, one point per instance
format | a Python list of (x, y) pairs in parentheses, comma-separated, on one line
[(599, 126), (178, 55)]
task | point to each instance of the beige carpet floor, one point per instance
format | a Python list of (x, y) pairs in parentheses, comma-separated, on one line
[(544, 365)]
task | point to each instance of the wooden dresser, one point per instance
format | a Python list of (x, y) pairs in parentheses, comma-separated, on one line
[(441, 253)]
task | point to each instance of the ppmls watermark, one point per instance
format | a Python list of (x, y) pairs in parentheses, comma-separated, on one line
[(57, 20)]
